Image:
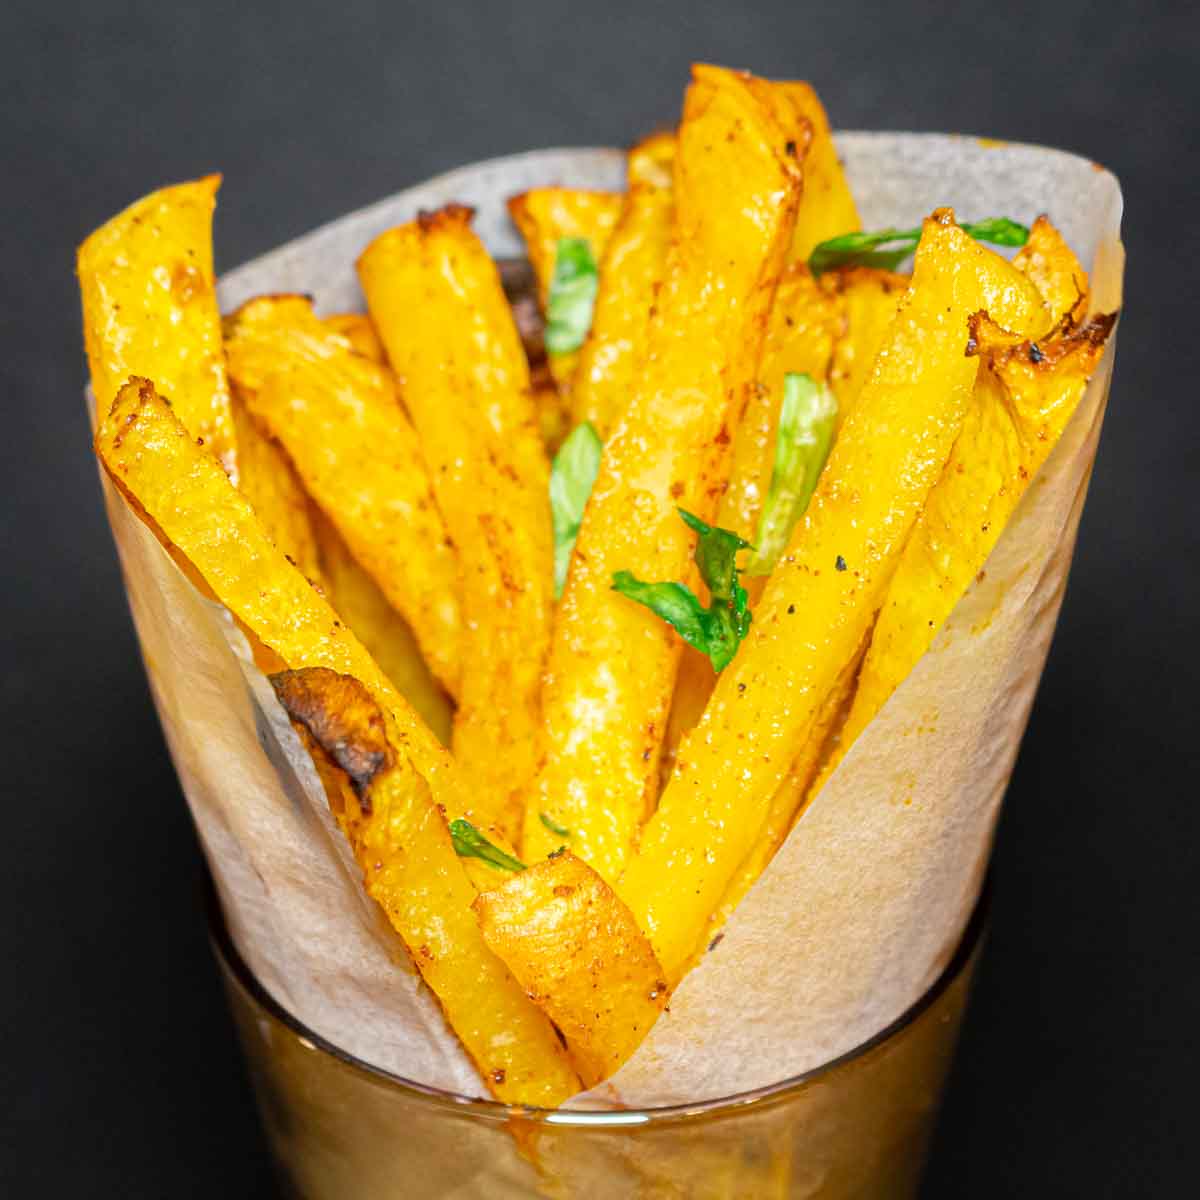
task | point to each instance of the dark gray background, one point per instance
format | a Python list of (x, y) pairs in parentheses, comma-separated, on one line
[(120, 1075)]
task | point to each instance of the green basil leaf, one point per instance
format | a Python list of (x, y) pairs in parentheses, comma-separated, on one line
[(807, 416), (718, 630), (470, 843), (998, 231), (572, 295), (716, 555), (867, 249), (676, 604), (571, 478)]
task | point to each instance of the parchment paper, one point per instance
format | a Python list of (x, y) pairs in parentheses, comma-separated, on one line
[(864, 903)]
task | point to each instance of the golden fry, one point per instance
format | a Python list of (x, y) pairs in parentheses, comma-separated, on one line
[(544, 216), (357, 329), (822, 597), (868, 299), (803, 328), (652, 160), (630, 273), (1024, 396), (382, 630), (411, 870), (339, 417), (267, 479), (612, 663), (578, 953), (826, 207), (150, 308), (790, 798), (1048, 261), (438, 304)]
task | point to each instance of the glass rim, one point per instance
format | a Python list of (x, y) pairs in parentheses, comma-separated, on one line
[(239, 971)]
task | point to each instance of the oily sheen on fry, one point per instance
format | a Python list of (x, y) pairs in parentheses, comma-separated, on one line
[(823, 595), (612, 663)]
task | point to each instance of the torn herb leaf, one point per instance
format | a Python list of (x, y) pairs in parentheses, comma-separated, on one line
[(571, 478), (572, 295), (807, 416), (886, 249), (717, 630), (470, 843)]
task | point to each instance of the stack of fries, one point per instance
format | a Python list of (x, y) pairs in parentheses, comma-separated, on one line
[(578, 582)]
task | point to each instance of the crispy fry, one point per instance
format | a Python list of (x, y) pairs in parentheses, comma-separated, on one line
[(578, 953), (1048, 261), (149, 308), (868, 299), (438, 304), (267, 479), (382, 630), (630, 273), (824, 594), (357, 329), (652, 160), (544, 216), (1024, 396), (338, 416), (612, 663), (410, 869)]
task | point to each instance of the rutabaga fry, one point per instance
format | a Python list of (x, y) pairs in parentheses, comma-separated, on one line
[(357, 329), (867, 299), (382, 630), (827, 206), (612, 662), (338, 416), (578, 953), (1049, 262), (545, 217), (438, 304), (267, 479), (791, 796), (824, 594), (410, 869), (204, 520), (652, 160), (149, 308), (1024, 396), (630, 273)]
